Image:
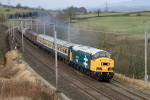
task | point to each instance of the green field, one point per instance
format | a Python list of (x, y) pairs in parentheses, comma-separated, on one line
[(95, 14), (129, 25), (12, 10)]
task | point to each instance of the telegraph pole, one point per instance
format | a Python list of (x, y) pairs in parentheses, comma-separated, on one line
[(31, 23), (146, 42), (11, 35), (56, 64), (22, 36), (13, 31), (8, 2), (37, 25), (44, 27), (106, 6), (69, 30)]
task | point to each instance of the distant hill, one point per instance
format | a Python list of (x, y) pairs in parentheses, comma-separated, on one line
[(131, 5), (126, 6)]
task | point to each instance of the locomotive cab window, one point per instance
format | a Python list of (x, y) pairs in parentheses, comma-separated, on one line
[(101, 54)]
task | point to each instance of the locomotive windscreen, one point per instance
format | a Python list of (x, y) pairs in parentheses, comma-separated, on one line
[(101, 54)]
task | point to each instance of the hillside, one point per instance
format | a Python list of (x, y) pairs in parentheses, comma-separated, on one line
[(6, 10)]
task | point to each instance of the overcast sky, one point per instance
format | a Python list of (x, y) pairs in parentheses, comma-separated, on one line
[(57, 4)]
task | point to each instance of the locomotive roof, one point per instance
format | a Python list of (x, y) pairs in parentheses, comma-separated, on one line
[(87, 49), (61, 42), (83, 48)]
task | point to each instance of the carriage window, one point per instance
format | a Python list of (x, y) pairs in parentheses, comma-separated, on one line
[(65, 50), (59, 47)]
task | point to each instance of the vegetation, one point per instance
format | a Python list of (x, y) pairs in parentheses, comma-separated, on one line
[(132, 82), (7, 10), (1, 56), (129, 25), (3, 18), (3, 43), (122, 35), (71, 12), (16, 12), (98, 14), (18, 82)]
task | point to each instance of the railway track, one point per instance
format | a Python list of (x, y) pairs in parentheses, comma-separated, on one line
[(140, 94), (111, 87), (90, 87), (51, 69), (77, 83)]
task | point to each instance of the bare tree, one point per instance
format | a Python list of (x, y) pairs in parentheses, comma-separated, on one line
[(2, 18), (98, 12), (70, 12), (18, 5)]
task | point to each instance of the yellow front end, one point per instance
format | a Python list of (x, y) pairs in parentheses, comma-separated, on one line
[(102, 65)]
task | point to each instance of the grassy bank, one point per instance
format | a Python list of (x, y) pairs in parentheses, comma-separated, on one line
[(138, 84), (18, 81)]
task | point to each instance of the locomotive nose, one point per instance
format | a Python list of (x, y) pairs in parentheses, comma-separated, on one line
[(107, 65)]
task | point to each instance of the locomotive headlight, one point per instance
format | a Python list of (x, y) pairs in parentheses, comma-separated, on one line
[(110, 69), (98, 69)]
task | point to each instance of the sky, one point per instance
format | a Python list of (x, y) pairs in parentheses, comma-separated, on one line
[(59, 4)]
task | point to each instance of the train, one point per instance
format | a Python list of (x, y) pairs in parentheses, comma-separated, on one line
[(93, 62)]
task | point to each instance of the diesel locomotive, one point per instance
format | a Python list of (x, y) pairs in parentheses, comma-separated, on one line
[(94, 62)]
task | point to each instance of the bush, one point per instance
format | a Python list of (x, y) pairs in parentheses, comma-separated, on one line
[(127, 53), (2, 18), (7, 10), (138, 14), (1, 57)]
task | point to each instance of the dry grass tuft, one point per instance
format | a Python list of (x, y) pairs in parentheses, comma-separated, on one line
[(8, 72), (12, 56), (13, 88), (17, 82), (17, 98), (14, 69), (134, 82), (1, 66)]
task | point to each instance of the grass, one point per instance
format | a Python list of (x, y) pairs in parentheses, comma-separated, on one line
[(129, 25), (12, 10), (9, 89), (1, 57), (86, 15), (17, 82), (96, 14), (139, 84), (3, 43)]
